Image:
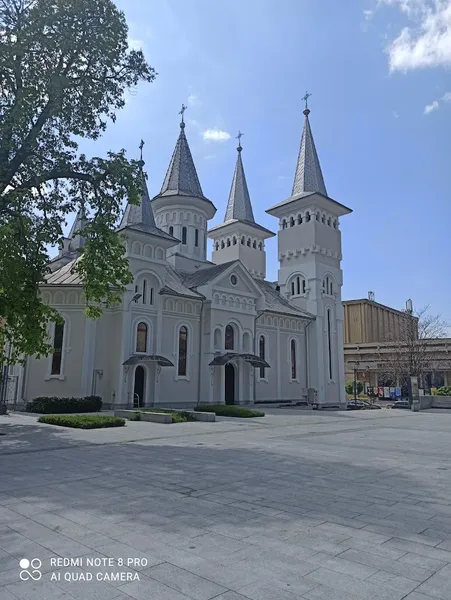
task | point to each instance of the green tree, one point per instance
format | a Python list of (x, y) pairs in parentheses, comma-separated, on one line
[(65, 67), (349, 387)]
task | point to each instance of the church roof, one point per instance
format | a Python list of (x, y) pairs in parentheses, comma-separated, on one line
[(308, 177), (64, 275), (77, 241), (274, 302), (181, 177), (140, 216), (239, 206), (204, 276)]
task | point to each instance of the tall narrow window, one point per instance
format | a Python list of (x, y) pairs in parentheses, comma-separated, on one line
[(249, 242), (329, 342), (293, 359), (299, 219), (183, 235), (151, 296), (57, 357), (261, 348), (307, 216), (229, 337), (141, 337), (291, 221), (242, 240), (183, 351), (228, 242), (234, 240), (298, 285), (254, 244), (171, 230), (196, 237), (304, 286), (284, 224), (144, 292), (292, 288), (217, 246)]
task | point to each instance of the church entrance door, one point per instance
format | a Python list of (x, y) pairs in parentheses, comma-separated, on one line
[(139, 386), (229, 384)]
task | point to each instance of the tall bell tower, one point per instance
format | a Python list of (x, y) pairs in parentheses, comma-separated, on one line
[(310, 275)]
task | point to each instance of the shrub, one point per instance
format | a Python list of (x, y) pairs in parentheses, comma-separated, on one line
[(349, 387), (230, 410), (55, 405), (177, 415), (135, 416), (82, 421), (445, 390)]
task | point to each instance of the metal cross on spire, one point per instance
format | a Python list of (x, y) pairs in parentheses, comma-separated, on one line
[(305, 98), (238, 137), (141, 146), (182, 111)]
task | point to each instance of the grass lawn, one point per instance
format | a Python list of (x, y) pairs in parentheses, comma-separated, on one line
[(82, 421), (177, 417), (230, 410)]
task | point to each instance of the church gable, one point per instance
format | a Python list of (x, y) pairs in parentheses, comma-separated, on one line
[(236, 281)]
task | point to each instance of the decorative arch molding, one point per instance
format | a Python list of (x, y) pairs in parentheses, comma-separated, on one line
[(65, 347), (148, 251), (58, 298), (134, 335), (189, 353), (297, 284), (159, 253), (72, 298), (136, 248), (329, 286)]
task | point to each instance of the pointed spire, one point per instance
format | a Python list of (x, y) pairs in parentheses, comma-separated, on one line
[(309, 177), (140, 216), (77, 241), (181, 177), (239, 205)]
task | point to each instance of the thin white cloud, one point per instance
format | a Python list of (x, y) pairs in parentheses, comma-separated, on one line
[(135, 44), (431, 107), (210, 157), (446, 97), (215, 135), (427, 41)]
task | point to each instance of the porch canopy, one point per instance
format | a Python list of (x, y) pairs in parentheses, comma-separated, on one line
[(253, 359), (146, 358)]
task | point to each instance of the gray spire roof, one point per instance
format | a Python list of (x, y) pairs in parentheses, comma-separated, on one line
[(181, 177), (140, 216), (239, 206), (309, 177), (77, 241)]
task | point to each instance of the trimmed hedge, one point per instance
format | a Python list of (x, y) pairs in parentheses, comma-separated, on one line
[(177, 416), (82, 421), (54, 405), (230, 410), (445, 390)]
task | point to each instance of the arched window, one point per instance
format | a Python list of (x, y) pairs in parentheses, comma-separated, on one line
[(141, 337), (292, 288), (183, 351), (229, 338), (222, 244), (228, 242), (328, 286), (254, 244), (299, 219), (335, 223), (329, 342), (234, 240), (217, 246), (196, 237), (291, 221), (217, 338), (307, 216), (260, 245), (183, 235), (57, 356), (304, 286), (151, 296), (242, 240), (284, 224), (261, 352), (317, 216), (293, 359), (171, 230), (323, 219), (144, 292), (329, 222), (249, 242)]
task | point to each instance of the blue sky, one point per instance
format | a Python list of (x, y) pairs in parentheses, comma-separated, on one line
[(378, 71)]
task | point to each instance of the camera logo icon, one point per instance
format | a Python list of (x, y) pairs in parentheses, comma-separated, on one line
[(30, 569)]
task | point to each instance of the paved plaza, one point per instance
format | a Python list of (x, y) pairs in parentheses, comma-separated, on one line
[(298, 505)]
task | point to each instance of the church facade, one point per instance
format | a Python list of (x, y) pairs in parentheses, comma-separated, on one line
[(191, 330)]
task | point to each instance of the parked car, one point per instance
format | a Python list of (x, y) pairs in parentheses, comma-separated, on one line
[(400, 404)]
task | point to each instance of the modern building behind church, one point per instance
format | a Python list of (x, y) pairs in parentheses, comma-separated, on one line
[(191, 330)]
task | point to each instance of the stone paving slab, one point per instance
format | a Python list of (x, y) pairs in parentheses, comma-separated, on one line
[(299, 505)]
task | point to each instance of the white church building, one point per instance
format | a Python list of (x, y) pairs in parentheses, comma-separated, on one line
[(194, 330)]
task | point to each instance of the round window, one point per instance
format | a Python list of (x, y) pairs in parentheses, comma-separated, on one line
[(233, 279)]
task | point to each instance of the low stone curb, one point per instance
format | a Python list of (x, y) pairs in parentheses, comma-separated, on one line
[(165, 418)]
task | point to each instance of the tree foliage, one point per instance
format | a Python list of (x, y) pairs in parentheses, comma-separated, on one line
[(65, 66), (410, 352), (349, 387)]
